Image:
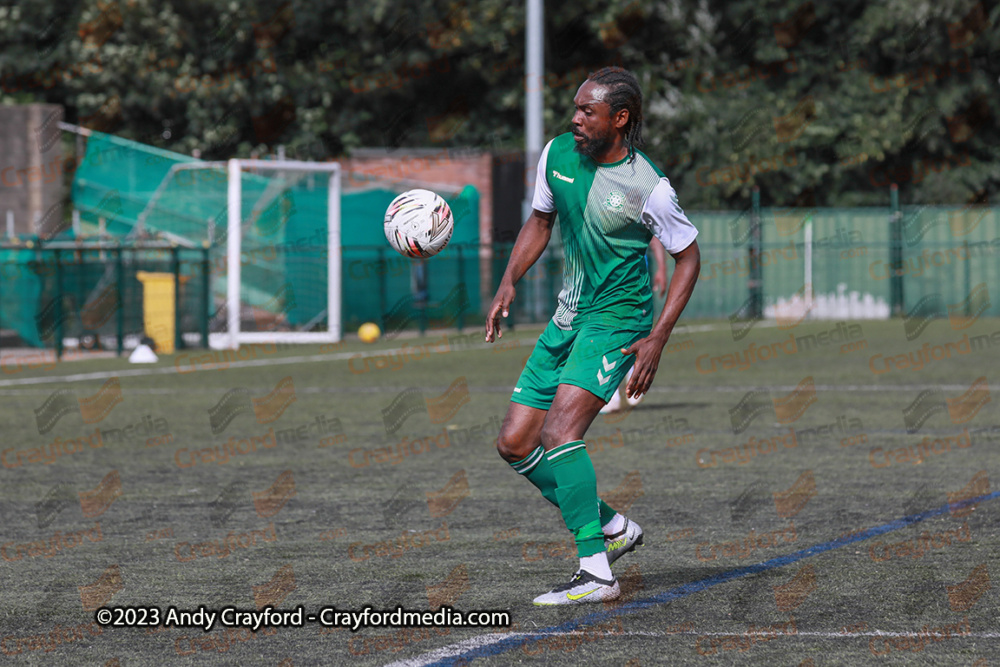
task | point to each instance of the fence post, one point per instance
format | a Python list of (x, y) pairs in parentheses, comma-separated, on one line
[(120, 296), (968, 278), (175, 267), (206, 272), (895, 254), (424, 290), (461, 285), (1, 292), (80, 278), (382, 271), (755, 282), (59, 305)]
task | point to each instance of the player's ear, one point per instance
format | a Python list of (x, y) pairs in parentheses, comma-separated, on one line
[(621, 118)]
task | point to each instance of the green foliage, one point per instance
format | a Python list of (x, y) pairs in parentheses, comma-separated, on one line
[(814, 103)]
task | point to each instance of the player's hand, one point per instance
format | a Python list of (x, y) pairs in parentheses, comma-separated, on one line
[(500, 306), (647, 353), (660, 281)]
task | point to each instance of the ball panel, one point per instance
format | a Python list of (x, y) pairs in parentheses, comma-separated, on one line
[(418, 223)]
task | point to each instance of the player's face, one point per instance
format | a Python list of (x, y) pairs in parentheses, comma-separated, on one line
[(593, 125)]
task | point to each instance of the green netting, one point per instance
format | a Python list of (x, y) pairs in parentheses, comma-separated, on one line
[(47, 292), (117, 179), (947, 253), (844, 243), (20, 290), (284, 255), (721, 288), (944, 253), (383, 286)]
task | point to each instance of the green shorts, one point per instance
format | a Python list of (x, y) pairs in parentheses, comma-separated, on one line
[(589, 358)]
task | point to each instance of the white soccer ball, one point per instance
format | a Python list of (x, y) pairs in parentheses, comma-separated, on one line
[(418, 223)]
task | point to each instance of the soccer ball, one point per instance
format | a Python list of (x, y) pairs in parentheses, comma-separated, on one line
[(369, 332), (418, 223)]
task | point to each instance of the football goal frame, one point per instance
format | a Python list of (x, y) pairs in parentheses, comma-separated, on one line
[(233, 337)]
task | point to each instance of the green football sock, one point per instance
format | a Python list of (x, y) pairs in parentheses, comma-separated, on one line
[(536, 467), (576, 491)]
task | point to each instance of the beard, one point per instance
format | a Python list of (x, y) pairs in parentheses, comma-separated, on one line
[(591, 146)]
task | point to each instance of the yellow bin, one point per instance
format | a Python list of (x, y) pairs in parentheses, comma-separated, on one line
[(158, 300)]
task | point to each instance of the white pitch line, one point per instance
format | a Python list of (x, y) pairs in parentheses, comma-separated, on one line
[(669, 389), (220, 355), (281, 361), (480, 641), (428, 349), (458, 648)]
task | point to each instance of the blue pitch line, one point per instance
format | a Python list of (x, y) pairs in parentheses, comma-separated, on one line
[(697, 586)]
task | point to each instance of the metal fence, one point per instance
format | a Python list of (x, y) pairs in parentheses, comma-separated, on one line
[(91, 296), (847, 263), (838, 264)]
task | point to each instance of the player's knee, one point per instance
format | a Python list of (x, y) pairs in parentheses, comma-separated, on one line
[(506, 451), (510, 446)]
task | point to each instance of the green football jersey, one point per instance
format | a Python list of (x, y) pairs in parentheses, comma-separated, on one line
[(607, 215)]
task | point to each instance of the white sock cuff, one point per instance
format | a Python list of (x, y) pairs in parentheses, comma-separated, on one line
[(616, 525), (597, 565)]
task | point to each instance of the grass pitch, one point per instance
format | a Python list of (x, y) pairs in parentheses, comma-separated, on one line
[(356, 475)]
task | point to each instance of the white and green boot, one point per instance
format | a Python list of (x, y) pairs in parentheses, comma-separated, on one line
[(624, 541), (583, 587)]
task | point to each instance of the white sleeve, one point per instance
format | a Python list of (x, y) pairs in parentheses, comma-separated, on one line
[(543, 199), (662, 215)]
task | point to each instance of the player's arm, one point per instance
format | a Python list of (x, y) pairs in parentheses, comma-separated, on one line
[(663, 216), (660, 272), (531, 242), (649, 349)]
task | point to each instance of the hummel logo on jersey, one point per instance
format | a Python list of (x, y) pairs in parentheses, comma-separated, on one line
[(517, 390), (556, 174), (615, 201)]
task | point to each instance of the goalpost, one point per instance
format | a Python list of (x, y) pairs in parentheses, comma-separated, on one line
[(288, 291), (254, 245), (234, 336), (257, 247)]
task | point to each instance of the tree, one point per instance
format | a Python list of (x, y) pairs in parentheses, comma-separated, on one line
[(813, 103)]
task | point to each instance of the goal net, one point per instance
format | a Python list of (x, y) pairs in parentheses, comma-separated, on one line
[(297, 250), (282, 252), (273, 228)]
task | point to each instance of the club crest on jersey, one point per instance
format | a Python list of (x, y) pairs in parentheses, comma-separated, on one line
[(615, 201)]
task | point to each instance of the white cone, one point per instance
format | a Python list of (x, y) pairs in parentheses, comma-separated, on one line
[(143, 355)]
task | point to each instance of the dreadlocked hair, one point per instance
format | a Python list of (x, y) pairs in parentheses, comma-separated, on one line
[(623, 93)]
